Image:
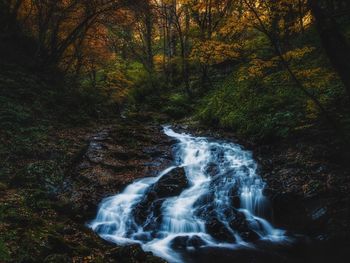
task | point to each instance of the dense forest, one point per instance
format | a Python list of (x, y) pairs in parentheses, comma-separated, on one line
[(272, 75), (262, 69)]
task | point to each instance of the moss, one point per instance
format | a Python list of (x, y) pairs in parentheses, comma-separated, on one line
[(4, 253)]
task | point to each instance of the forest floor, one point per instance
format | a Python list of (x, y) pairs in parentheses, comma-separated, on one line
[(48, 197)]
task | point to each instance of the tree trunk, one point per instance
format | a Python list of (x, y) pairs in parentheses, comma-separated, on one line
[(334, 43), (275, 44), (148, 37), (301, 15)]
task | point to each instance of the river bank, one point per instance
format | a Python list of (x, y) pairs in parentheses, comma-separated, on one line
[(308, 181), (48, 197)]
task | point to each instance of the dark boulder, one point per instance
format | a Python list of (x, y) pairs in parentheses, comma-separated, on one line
[(215, 227), (169, 185), (240, 225), (218, 230), (237, 224), (236, 201), (183, 242)]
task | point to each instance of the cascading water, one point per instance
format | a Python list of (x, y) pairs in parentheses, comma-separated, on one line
[(220, 203)]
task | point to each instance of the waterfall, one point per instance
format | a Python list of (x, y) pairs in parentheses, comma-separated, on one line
[(221, 204)]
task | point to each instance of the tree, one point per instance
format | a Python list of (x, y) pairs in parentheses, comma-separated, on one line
[(257, 11), (61, 26), (209, 16), (334, 43)]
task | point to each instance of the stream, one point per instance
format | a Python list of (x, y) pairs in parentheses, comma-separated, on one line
[(210, 198)]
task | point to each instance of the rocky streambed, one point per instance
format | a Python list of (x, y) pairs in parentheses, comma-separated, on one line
[(299, 186), (115, 156), (308, 181), (306, 184), (50, 195)]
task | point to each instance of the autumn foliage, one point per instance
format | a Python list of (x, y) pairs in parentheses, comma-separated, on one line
[(147, 52)]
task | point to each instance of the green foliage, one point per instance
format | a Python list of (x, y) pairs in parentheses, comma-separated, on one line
[(148, 90), (260, 100), (29, 107), (178, 106), (252, 108)]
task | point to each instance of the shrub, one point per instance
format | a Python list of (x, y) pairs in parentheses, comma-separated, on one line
[(253, 108)]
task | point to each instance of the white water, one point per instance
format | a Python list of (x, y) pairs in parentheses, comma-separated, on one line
[(186, 215)]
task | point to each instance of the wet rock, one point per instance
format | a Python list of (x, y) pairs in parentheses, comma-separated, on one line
[(95, 152), (218, 230), (236, 201), (196, 242), (185, 242), (202, 201), (171, 184), (179, 243), (214, 226), (143, 237), (152, 215), (239, 224), (318, 213), (249, 236)]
